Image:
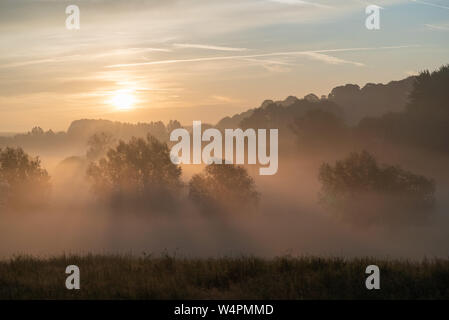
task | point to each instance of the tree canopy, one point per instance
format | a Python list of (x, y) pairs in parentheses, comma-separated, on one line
[(23, 182), (223, 186), (140, 169), (425, 122), (98, 144), (358, 185)]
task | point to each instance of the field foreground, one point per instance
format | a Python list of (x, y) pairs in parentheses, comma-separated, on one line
[(166, 277)]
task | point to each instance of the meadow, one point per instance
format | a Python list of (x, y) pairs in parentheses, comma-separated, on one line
[(171, 277)]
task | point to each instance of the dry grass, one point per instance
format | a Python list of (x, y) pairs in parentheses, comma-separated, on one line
[(167, 277)]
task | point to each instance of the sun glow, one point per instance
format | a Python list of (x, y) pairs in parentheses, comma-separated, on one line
[(123, 100)]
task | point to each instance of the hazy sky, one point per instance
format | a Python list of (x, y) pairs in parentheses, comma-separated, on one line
[(143, 60)]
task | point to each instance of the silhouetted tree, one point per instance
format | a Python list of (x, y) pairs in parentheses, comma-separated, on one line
[(424, 123), (137, 172), (373, 100), (4, 192), (319, 129), (359, 189), (98, 145), (37, 131), (223, 186), (23, 182), (172, 125), (427, 113), (311, 97)]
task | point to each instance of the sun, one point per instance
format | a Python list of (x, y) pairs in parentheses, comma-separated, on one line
[(123, 100)]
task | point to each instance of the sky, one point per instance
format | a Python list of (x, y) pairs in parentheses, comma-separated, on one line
[(149, 60)]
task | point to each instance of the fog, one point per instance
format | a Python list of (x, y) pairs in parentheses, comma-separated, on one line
[(288, 220), (376, 188)]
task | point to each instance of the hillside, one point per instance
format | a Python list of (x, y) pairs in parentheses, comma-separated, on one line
[(355, 103)]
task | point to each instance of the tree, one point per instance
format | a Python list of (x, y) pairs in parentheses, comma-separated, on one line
[(425, 121), (23, 182), (223, 186), (318, 129), (4, 192), (427, 114), (37, 131), (99, 144), (172, 125), (359, 189), (137, 172)]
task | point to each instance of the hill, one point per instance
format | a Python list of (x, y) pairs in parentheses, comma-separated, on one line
[(355, 103)]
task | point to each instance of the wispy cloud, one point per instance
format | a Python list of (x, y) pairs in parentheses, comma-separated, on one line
[(316, 54), (207, 47), (330, 59), (431, 4), (302, 3), (264, 61), (80, 57), (271, 65), (28, 63), (224, 99), (438, 27)]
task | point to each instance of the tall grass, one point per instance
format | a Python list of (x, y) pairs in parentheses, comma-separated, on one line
[(168, 277)]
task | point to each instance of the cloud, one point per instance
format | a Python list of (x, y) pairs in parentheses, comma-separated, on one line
[(302, 3), (264, 61), (28, 63), (271, 65), (224, 99), (330, 60), (315, 54), (430, 4), (79, 57), (207, 47), (437, 27)]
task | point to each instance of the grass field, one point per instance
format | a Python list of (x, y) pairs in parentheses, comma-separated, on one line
[(166, 277)]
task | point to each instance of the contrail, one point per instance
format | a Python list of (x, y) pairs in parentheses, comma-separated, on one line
[(207, 47), (287, 53), (430, 4), (301, 2)]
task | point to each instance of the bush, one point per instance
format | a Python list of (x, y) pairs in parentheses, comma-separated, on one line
[(363, 191), (139, 172), (223, 186), (23, 182)]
